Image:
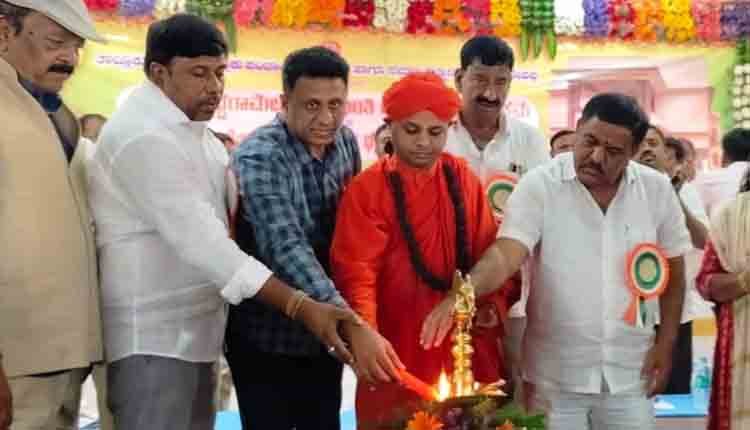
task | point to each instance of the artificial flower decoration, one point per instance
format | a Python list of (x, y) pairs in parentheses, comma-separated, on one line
[(136, 8), (449, 18), (505, 17), (596, 19), (569, 17), (678, 21), (707, 19), (741, 87), (166, 8), (622, 19), (507, 425), (418, 17), (290, 13), (102, 5), (359, 13), (424, 421), (648, 17)]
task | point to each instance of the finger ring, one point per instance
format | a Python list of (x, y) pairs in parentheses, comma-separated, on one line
[(331, 349)]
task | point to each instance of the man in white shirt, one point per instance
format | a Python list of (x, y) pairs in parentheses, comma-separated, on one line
[(587, 365), (168, 266), (494, 143), (716, 186), (667, 155)]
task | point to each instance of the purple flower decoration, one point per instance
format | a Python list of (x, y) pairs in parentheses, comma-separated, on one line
[(132, 8), (596, 20), (735, 20)]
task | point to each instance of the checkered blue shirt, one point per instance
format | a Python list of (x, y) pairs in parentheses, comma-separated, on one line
[(288, 214)]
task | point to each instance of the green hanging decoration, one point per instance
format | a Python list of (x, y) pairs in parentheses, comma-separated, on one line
[(218, 11), (537, 28)]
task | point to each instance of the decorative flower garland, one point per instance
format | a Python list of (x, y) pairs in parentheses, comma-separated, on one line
[(478, 14), (102, 5), (249, 12), (678, 23), (390, 15), (569, 17), (359, 13), (220, 11), (505, 16), (167, 8), (596, 20), (290, 13), (648, 18), (735, 20), (741, 88), (707, 18), (418, 17), (326, 12), (449, 18), (537, 27), (622, 19), (136, 8)]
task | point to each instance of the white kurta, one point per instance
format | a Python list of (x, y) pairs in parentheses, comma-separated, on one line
[(157, 191), (575, 334)]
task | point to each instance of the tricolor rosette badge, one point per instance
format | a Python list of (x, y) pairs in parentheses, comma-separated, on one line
[(498, 190), (647, 276)]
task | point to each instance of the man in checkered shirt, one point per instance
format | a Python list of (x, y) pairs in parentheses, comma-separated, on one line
[(291, 174)]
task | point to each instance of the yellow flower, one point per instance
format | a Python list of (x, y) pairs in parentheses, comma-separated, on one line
[(424, 421)]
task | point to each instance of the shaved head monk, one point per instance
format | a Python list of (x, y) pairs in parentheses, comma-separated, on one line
[(403, 227)]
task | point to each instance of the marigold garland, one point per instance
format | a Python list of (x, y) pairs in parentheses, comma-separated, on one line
[(648, 19), (326, 12), (505, 16), (449, 18), (678, 22), (424, 421), (248, 12), (290, 13)]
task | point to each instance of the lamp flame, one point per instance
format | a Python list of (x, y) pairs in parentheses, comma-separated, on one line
[(444, 387)]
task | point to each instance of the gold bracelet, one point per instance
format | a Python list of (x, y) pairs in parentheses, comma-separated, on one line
[(293, 302), (298, 306)]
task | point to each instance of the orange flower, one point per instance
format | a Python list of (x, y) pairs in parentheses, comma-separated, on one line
[(424, 421), (507, 425)]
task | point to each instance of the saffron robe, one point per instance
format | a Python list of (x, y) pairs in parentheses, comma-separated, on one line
[(371, 266)]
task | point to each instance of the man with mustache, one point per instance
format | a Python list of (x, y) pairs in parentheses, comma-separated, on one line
[(291, 174), (591, 360), (168, 265), (663, 154), (494, 143), (50, 329)]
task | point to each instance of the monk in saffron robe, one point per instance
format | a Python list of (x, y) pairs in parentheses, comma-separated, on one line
[(404, 226)]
